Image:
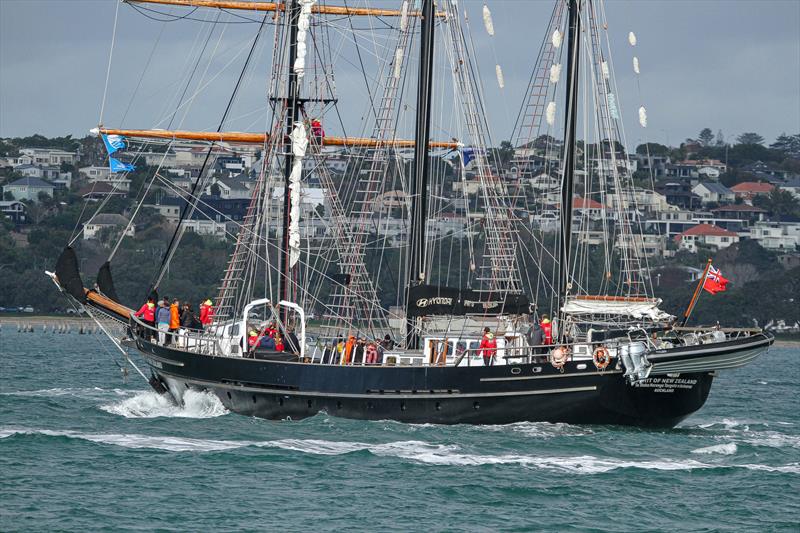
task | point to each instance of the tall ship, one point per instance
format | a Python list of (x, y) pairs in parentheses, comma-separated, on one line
[(444, 281)]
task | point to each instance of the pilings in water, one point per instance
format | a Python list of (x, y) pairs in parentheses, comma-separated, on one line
[(50, 325)]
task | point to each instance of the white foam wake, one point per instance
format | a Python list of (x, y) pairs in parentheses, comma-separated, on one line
[(416, 451), (722, 449), (91, 393), (149, 404)]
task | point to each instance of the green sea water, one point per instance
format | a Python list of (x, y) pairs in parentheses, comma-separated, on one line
[(81, 449)]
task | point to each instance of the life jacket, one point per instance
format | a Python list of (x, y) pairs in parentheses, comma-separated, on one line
[(252, 340), (316, 128), (279, 346), (547, 328)]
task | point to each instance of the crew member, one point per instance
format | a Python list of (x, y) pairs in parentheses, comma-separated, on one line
[(174, 320), (252, 338), (206, 312), (488, 347), (547, 329), (148, 314)]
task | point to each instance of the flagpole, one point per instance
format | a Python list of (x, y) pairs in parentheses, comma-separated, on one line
[(696, 294)]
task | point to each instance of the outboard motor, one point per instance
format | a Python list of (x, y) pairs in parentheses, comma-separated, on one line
[(634, 358)]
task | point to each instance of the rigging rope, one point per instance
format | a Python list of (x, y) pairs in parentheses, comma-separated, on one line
[(108, 69)]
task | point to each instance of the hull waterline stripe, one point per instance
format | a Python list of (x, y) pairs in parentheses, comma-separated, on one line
[(148, 355), (572, 375), (420, 396)]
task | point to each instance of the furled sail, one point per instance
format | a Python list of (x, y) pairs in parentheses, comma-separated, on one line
[(634, 308), (299, 146)]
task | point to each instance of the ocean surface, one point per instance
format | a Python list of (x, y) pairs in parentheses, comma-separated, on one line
[(81, 449)]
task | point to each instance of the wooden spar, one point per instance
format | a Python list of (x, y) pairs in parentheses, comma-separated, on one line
[(108, 303), (696, 294), (277, 6), (261, 138)]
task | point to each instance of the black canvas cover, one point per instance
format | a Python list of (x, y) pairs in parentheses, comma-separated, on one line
[(69, 276), (105, 283), (426, 300)]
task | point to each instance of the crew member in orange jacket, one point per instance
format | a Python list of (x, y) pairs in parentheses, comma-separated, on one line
[(206, 312), (547, 329), (488, 347), (174, 320)]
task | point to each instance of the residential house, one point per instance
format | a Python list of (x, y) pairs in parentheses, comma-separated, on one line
[(48, 156), (671, 222), (750, 189), (586, 207), (655, 165), (743, 212), (646, 245), (764, 172), (713, 192), (644, 200), (700, 168), (776, 235), (99, 190), (230, 188), (101, 221), (707, 235), (104, 175), (13, 210), (28, 189), (30, 171), (679, 194)]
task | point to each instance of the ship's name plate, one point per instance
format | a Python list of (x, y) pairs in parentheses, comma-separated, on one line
[(666, 384)]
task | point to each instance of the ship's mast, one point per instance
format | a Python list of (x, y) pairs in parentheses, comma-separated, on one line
[(419, 184), (292, 114), (567, 184)]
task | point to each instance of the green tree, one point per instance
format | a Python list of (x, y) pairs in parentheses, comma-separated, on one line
[(787, 144), (8, 196), (750, 138), (652, 149), (706, 137), (779, 203)]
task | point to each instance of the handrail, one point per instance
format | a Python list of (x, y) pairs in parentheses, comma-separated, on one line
[(201, 338)]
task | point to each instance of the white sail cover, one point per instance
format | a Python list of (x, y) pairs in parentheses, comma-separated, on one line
[(299, 146), (487, 20), (555, 72), (644, 309), (303, 23)]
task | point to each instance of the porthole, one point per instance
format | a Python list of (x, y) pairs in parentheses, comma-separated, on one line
[(516, 370), (254, 398)]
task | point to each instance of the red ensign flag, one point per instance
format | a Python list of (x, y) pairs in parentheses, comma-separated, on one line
[(714, 281)]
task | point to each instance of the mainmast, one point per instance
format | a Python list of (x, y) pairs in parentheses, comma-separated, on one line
[(419, 184), (292, 114), (567, 184)]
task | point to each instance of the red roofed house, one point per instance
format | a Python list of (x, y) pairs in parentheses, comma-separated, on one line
[(707, 235), (587, 207), (750, 189)]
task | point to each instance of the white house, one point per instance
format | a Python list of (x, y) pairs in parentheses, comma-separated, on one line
[(707, 235), (48, 156), (230, 188), (101, 221), (713, 192), (28, 189), (776, 235), (104, 175)]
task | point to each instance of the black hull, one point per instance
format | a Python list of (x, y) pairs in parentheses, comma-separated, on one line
[(441, 395)]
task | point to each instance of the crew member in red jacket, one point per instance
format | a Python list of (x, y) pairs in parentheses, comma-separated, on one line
[(547, 329), (147, 312), (206, 312), (488, 347)]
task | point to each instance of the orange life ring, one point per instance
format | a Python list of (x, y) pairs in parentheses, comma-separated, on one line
[(559, 357), (601, 358)]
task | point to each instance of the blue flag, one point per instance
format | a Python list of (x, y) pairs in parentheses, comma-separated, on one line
[(118, 166), (467, 154), (114, 143)]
